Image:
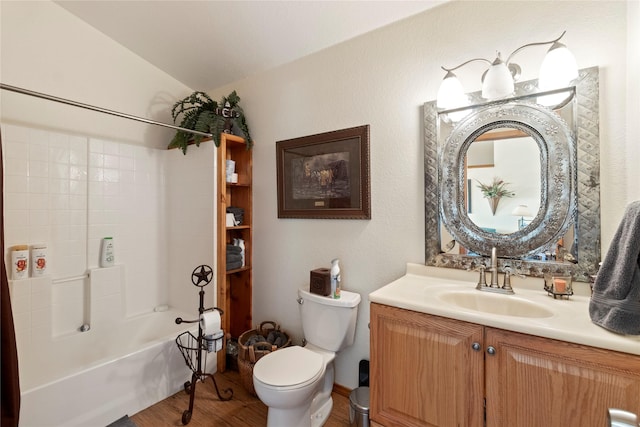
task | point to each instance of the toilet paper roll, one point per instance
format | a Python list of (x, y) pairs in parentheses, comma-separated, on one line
[(210, 322)]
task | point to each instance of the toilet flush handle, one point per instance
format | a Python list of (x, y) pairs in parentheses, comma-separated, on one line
[(300, 300)]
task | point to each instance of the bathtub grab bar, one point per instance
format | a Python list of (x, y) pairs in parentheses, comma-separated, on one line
[(196, 345)]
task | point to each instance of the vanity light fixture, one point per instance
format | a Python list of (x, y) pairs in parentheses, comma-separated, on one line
[(522, 211), (558, 69)]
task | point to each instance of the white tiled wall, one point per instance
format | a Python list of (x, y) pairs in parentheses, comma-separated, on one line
[(127, 202), (46, 195), (69, 192)]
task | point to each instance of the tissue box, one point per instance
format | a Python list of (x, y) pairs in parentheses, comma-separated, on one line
[(320, 281)]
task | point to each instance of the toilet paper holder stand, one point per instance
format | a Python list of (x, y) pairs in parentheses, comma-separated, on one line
[(192, 347)]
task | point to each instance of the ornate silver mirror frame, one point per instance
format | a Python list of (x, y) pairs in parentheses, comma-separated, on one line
[(570, 175), (557, 179)]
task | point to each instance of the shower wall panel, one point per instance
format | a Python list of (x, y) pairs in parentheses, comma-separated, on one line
[(69, 191)]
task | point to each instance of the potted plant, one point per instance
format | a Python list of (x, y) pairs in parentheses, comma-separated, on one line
[(494, 191), (199, 112)]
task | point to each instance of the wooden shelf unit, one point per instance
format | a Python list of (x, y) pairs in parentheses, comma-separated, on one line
[(234, 287)]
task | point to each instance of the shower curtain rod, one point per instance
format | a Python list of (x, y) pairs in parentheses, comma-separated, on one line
[(98, 109)]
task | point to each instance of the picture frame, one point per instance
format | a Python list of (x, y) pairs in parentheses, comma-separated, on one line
[(325, 176)]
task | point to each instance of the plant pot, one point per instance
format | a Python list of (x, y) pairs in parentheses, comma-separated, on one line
[(493, 203)]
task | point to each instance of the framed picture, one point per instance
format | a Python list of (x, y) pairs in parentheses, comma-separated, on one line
[(325, 175)]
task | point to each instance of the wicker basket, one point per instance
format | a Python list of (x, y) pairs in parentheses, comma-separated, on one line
[(246, 375), (245, 367), (248, 355)]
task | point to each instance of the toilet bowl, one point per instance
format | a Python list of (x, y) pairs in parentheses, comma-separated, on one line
[(296, 382), (286, 382)]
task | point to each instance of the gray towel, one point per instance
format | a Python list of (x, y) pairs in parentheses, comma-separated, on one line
[(234, 265), (615, 303), (234, 258), (233, 249)]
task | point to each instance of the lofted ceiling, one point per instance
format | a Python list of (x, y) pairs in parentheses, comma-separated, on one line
[(207, 44)]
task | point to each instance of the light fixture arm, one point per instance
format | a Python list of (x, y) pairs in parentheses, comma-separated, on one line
[(448, 70), (558, 68), (508, 61)]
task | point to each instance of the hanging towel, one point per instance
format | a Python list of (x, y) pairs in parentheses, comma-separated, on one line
[(615, 303)]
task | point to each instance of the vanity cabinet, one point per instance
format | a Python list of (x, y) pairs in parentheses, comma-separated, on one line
[(424, 370), (433, 371)]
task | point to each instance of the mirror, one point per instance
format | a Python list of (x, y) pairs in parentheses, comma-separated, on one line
[(547, 160), (512, 159)]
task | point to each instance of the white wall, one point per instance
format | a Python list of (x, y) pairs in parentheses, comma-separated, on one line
[(191, 217), (382, 79), (46, 49)]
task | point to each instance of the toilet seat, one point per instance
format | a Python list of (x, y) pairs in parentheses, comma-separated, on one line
[(289, 368)]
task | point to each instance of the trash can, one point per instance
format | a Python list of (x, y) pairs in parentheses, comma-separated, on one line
[(359, 407)]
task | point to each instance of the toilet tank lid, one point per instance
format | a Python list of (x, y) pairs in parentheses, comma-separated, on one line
[(347, 299)]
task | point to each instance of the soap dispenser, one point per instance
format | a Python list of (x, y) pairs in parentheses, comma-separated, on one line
[(335, 278)]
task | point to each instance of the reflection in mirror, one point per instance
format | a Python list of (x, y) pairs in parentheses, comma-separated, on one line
[(512, 156), (517, 156)]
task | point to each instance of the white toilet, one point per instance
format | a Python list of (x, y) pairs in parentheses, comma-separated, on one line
[(296, 382)]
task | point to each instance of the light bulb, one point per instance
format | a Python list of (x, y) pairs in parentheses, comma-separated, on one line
[(557, 71), (498, 81), (450, 94)]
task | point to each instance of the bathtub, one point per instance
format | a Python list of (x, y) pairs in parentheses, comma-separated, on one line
[(93, 378)]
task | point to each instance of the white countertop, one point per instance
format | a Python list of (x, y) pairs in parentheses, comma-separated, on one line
[(421, 287)]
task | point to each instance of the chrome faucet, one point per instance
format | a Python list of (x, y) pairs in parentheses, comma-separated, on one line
[(493, 285), (494, 268)]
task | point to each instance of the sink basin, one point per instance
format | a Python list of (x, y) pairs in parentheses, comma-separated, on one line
[(504, 305)]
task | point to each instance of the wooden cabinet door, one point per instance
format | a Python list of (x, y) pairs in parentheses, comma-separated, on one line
[(533, 381), (424, 370)]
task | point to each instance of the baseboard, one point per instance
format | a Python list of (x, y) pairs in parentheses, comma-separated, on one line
[(341, 390)]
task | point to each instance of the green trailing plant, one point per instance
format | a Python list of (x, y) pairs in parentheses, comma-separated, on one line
[(497, 188), (199, 112)]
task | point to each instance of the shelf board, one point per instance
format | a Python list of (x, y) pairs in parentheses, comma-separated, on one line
[(238, 270), (239, 227)]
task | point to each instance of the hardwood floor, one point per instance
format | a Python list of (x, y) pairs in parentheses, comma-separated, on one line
[(242, 410)]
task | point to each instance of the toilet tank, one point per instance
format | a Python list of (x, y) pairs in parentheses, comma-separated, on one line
[(329, 323)]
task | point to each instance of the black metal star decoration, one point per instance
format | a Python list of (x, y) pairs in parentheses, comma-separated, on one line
[(202, 273)]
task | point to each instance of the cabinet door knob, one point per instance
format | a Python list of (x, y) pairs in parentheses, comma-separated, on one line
[(491, 350), (475, 346)]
